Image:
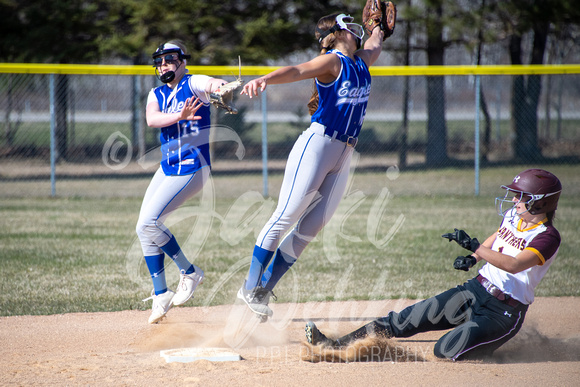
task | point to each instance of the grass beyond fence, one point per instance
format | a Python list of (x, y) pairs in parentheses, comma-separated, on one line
[(81, 255), (95, 134)]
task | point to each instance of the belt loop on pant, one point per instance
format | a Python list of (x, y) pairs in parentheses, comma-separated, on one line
[(317, 128)]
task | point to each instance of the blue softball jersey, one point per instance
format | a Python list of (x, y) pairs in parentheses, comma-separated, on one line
[(185, 144), (342, 103)]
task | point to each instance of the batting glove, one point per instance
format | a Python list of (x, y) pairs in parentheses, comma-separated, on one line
[(463, 240), (464, 263)]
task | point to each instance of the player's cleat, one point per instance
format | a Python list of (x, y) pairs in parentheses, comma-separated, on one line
[(187, 285), (257, 300), (315, 337), (161, 305)]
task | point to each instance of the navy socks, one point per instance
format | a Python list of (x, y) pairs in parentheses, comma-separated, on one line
[(280, 265), (172, 249)]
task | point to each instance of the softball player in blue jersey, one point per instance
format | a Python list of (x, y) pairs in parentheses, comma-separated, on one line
[(181, 109), (317, 169)]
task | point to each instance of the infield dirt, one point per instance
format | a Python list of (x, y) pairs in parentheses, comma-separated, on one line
[(120, 348)]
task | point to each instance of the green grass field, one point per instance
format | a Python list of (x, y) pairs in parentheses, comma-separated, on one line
[(95, 134), (80, 254)]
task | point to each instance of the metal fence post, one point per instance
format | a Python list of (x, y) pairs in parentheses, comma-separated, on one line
[(477, 103), (136, 112), (52, 136), (265, 143)]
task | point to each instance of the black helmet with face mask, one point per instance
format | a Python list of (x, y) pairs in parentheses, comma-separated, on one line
[(166, 51)]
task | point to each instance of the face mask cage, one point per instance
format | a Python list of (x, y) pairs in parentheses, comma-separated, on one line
[(344, 22), (167, 49), (504, 205), (173, 55), (170, 59)]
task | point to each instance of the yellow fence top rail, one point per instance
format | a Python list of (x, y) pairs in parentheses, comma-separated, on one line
[(42, 68)]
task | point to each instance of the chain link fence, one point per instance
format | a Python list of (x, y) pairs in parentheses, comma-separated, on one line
[(72, 135)]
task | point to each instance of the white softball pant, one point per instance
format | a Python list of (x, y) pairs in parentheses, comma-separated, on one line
[(314, 182), (163, 196)]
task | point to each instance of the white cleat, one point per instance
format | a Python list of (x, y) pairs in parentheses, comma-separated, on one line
[(187, 285), (161, 305)]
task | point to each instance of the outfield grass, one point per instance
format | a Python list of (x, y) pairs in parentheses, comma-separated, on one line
[(95, 134), (73, 254), (457, 130)]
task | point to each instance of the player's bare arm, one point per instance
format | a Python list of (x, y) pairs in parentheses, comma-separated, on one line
[(214, 84), (372, 48), (521, 262), (487, 243), (157, 119), (325, 67)]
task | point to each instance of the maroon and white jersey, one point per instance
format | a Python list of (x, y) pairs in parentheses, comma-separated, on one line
[(543, 239)]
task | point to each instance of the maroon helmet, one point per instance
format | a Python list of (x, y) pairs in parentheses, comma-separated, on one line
[(539, 189)]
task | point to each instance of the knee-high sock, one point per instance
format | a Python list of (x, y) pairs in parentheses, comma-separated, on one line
[(172, 249), (155, 264), (281, 263), (260, 259)]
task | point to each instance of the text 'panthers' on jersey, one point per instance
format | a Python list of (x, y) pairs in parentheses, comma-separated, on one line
[(543, 239)]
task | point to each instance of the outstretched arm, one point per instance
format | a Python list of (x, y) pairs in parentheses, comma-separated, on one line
[(214, 84), (323, 67), (372, 48)]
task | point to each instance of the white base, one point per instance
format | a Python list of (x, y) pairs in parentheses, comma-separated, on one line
[(188, 355)]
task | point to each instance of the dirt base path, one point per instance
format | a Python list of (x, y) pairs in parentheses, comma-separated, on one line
[(120, 349)]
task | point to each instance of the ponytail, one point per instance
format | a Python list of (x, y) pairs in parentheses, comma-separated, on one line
[(325, 23), (313, 103)]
